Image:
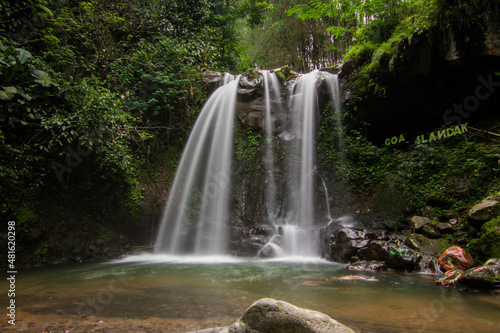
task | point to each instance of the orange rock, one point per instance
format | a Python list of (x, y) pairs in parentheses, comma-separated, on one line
[(455, 258)]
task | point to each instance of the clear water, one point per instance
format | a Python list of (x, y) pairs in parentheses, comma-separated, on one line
[(160, 293)]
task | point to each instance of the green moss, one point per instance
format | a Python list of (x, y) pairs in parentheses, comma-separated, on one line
[(285, 73), (433, 247), (252, 73), (360, 52), (281, 76), (488, 244)]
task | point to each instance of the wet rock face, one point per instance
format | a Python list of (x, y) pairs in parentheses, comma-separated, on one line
[(250, 107), (371, 250), (426, 74), (270, 315), (483, 277), (212, 80)]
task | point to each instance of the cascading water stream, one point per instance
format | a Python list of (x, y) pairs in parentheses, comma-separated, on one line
[(328, 212), (271, 95), (298, 234), (196, 215), (333, 82)]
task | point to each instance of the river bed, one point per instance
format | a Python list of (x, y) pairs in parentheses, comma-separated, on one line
[(158, 293)]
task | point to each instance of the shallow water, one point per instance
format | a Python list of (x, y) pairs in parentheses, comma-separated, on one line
[(155, 293)]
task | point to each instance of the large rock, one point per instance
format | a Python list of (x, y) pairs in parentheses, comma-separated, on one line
[(366, 249), (272, 316), (455, 258), (482, 212), (488, 245), (427, 246), (212, 80), (346, 242), (393, 253), (484, 277)]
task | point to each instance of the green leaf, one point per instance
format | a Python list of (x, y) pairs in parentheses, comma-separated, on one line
[(42, 77), (7, 93), (24, 56), (45, 9)]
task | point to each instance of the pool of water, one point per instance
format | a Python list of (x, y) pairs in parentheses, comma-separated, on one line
[(156, 293)]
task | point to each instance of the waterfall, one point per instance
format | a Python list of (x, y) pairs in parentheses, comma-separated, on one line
[(272, 95), (196, 217), (196, 214), (299, 234), (333, 82), (328, 212)]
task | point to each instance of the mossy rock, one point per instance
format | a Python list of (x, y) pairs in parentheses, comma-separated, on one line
[(484, 211), (285, 73), (431, 247), (488, 245), (252, 73)]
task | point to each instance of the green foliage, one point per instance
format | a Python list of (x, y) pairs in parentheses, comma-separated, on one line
[(158, 83), (254, 10), (288, 40), (367, 164), (461, 14), (329, 141), (247, 145), (94, 97), (455, 171)]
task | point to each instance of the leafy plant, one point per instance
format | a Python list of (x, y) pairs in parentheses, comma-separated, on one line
[(247, 145)]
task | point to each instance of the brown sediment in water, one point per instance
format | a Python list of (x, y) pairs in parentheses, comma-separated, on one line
[(159, 297), (75, 324)]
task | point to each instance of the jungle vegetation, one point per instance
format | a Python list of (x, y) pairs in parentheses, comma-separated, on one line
[(98, 98)]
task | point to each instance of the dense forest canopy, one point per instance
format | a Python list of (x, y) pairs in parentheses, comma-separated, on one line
[(91, 90), (98, 97)]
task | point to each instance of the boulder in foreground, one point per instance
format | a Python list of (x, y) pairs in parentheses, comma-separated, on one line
[(269, 315)]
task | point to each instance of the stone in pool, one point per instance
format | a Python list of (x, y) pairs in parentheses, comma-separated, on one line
[(269, 315)]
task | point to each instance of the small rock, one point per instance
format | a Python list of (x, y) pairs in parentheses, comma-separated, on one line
[(419, 221), (451, 214), (462, 238), (429, 211), (445, 228), (450, 277), (368, 265), (429, 231)]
